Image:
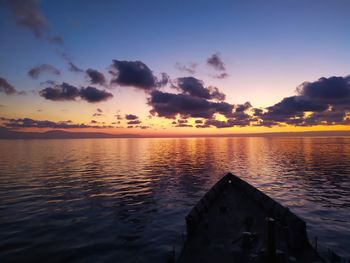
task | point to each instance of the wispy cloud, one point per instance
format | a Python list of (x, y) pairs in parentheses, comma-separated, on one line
[(215, 62), (35, 72), (7, 88)]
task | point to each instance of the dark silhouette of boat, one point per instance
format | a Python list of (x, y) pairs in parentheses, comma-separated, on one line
[(235, 222)]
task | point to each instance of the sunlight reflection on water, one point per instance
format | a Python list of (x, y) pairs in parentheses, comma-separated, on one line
[(125, 200)]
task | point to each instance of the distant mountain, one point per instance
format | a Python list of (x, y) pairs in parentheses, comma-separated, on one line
[(59, 134)]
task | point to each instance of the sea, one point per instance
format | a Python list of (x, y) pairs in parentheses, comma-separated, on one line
[(125, 200)]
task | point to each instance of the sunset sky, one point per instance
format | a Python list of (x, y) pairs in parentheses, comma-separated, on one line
[(175, 67)]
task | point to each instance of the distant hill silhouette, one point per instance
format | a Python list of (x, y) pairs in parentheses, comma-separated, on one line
[(6, 133), (59, 134)]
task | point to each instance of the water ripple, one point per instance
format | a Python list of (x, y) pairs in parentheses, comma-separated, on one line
[(124, 200)]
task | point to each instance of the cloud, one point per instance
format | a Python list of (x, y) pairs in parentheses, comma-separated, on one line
[(183, 125), (182, 121), (133, 122), (96, 77), (331, 90), (66, 92), (6, 87), (327, 100), (220, 76), (56, 40), (35, 72), (26, 13), (134, 74), (216, 62), (98, 113), (243, 107), (131, 117), (191, 68), (169, 105), (163, 81), (329, 117), (60, 92), (73, 68), (93, 95), (228, 123), (195, 87), (202, 126), (31, 123), (118, 116)]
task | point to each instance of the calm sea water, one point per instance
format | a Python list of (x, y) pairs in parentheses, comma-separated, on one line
[(124, 200)]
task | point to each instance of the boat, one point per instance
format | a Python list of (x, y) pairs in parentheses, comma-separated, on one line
[(237, 223)]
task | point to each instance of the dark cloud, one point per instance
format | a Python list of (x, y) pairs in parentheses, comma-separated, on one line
[(93, 121), (96, 77), (35, 72), (216, 94), (220, 76), (6, 87), (182, 121), (66, 92), (48, 82), (131, 117), (228, 123), (118, 116), (98, 113), (216, 62), (202, 126), (73, 68), (243, 107), (329, 89), (198, 121), (293, 106), (191, 68), (257, 112), (327, 99), (165, 79), (56, 40), (60, 92), (27, 13), (329, 117), (133, 122), (31, 123), (94, 95), (134, 74), (195, 87), (169, 105), (183, 125)]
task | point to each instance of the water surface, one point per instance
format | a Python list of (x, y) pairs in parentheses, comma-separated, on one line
[(124, 200)]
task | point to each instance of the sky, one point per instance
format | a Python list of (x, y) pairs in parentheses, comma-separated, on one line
[(175, 67)]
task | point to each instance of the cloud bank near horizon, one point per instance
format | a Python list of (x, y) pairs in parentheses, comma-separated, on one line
[(325, 101)]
